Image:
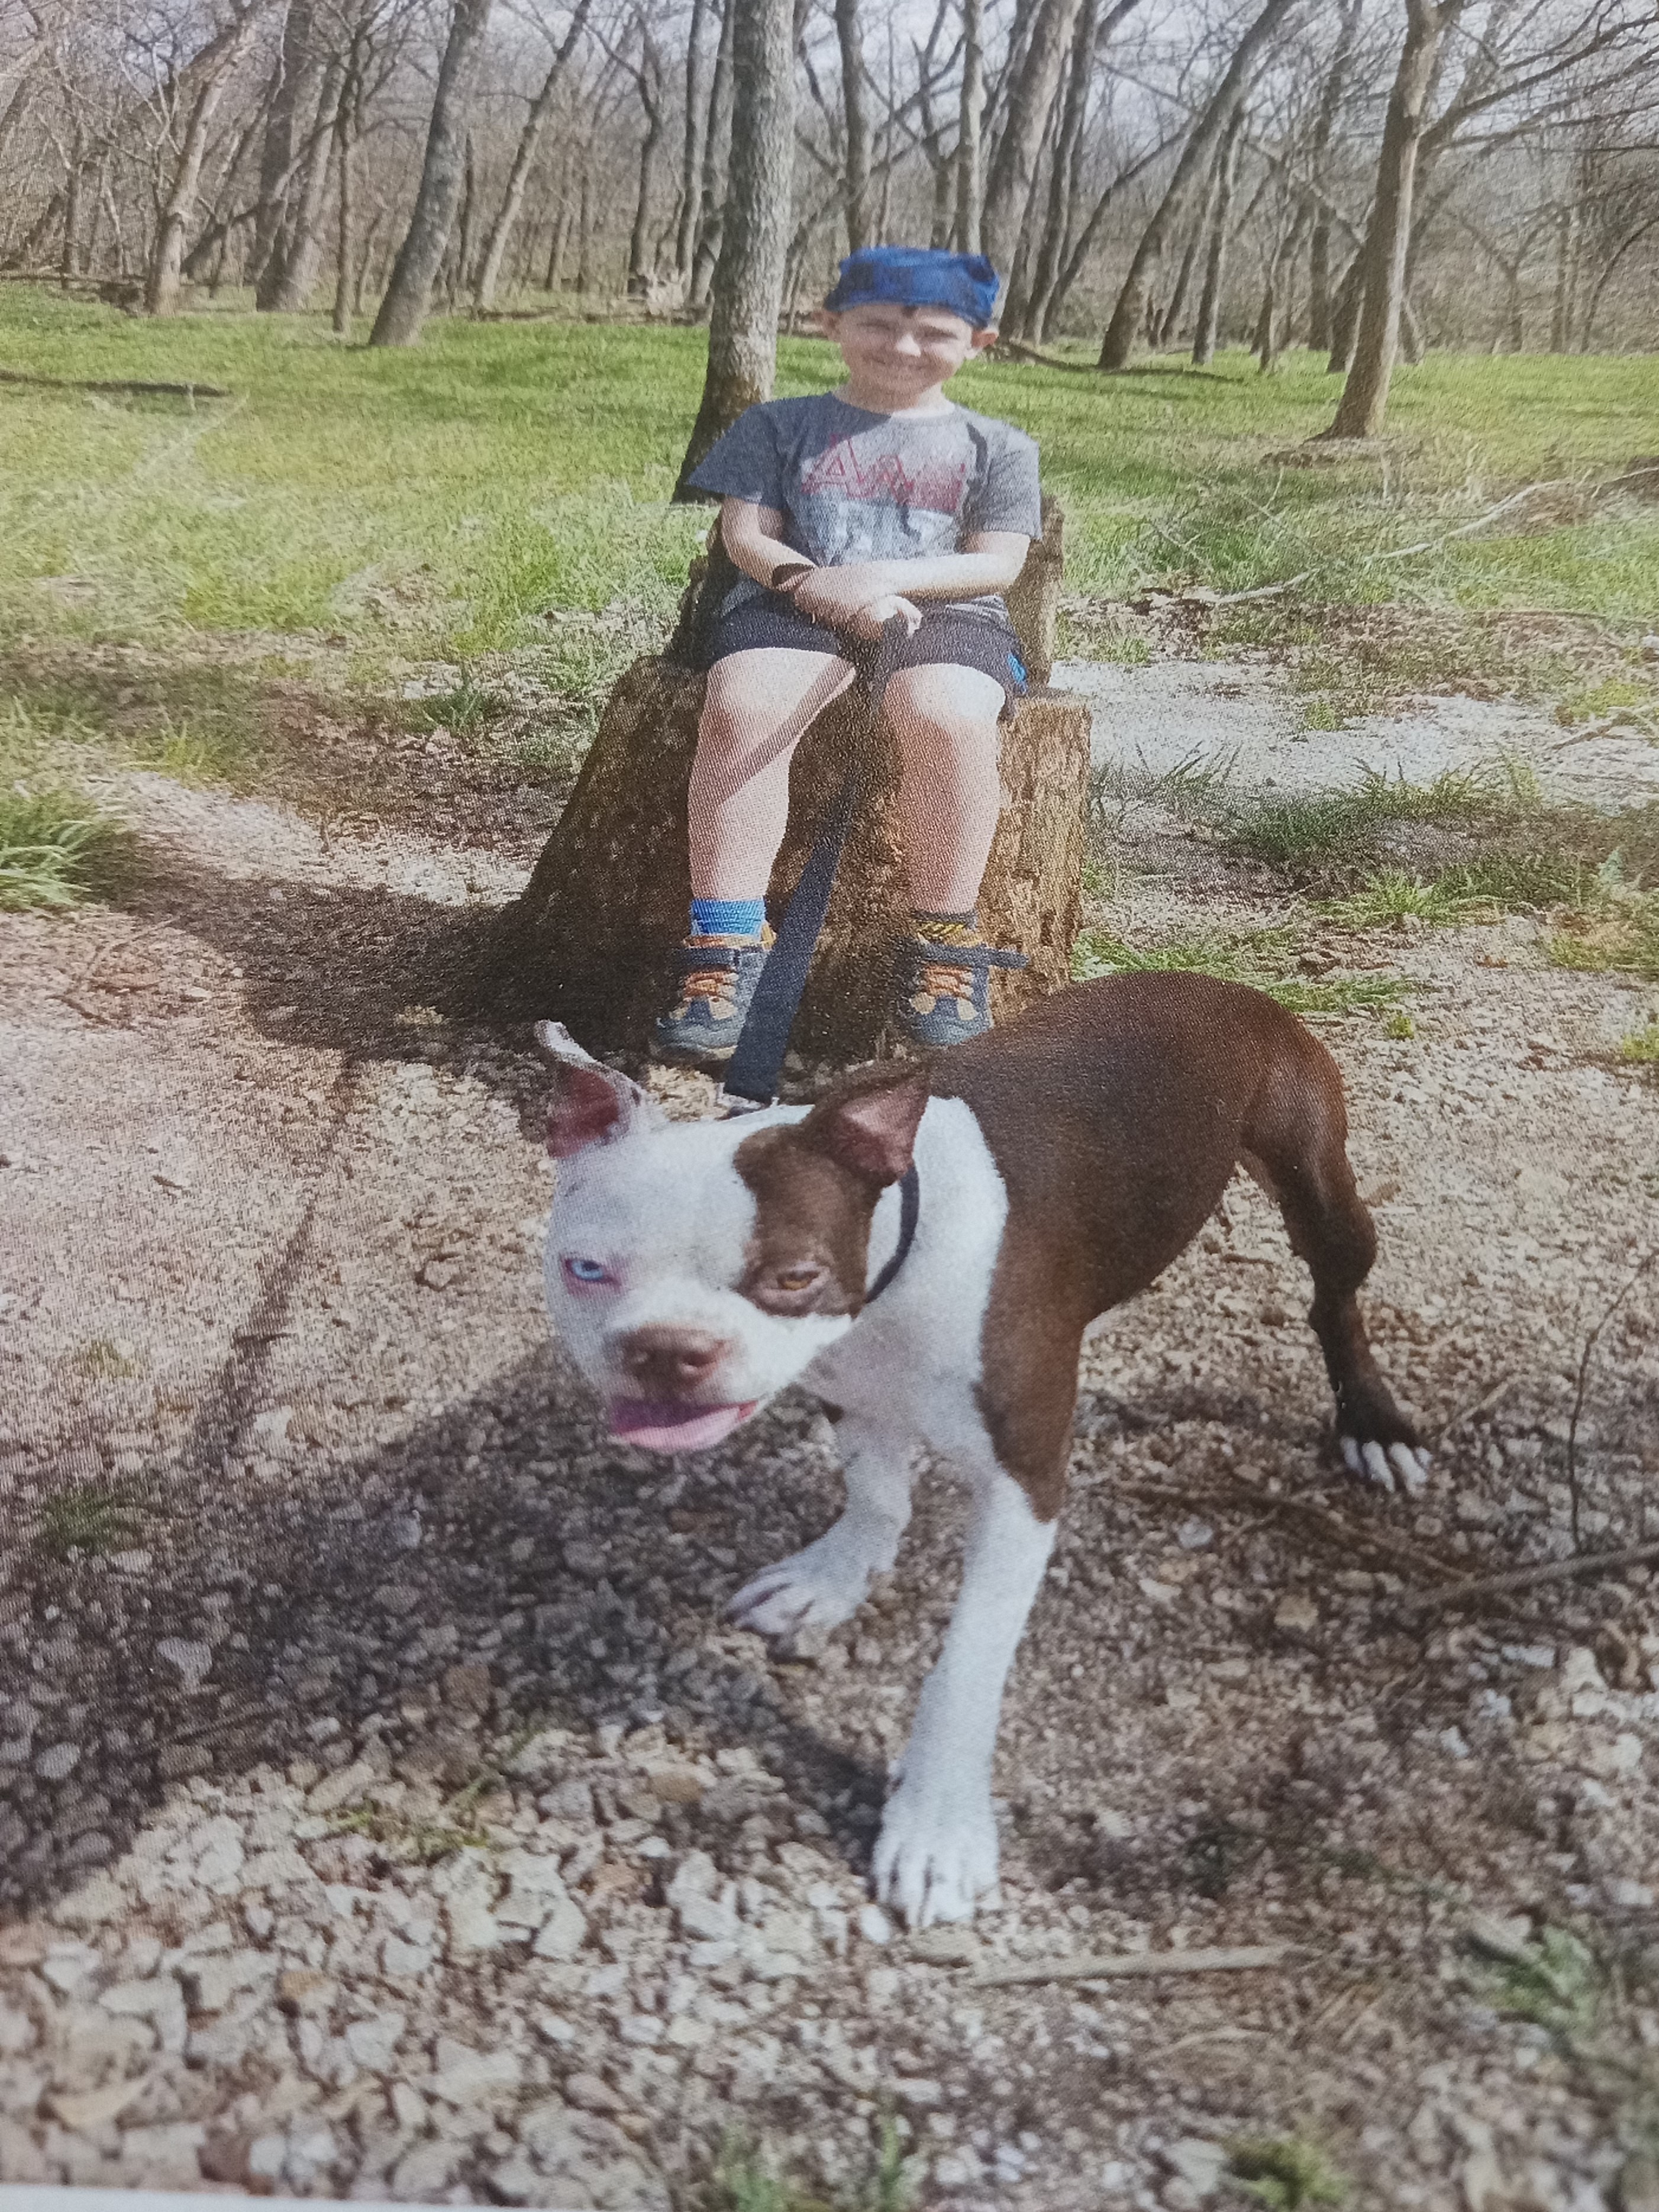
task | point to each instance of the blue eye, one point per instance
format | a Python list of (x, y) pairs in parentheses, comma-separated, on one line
[(588, 1272)]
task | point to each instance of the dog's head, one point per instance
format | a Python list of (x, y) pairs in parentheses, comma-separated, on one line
[(696, 1267)]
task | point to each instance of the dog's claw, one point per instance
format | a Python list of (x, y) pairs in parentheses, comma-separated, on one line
[(1351, 1454), (1412, 1465), (1375, 1461), (817, 1588), (933, 1865)]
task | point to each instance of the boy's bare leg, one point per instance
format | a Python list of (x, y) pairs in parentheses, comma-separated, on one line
[(756, 707), (946, 720)]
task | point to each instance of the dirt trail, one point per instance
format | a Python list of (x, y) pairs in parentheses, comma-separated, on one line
[(383, 1806)]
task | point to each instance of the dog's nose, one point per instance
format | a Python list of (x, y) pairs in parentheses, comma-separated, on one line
[(670, 1362)]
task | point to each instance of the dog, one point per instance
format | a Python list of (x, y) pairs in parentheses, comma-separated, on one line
[(923, 1249)]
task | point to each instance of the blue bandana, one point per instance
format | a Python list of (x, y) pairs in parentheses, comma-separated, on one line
[(917, 276)]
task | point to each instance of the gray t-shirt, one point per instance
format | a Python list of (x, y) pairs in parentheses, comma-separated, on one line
[(853, 486)]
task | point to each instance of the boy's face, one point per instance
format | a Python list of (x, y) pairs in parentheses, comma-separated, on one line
[(889, 347)]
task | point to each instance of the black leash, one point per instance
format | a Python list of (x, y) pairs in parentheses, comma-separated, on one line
[(751, 1080)]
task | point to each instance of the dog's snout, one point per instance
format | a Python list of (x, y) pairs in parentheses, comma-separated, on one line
[(668, 1362)]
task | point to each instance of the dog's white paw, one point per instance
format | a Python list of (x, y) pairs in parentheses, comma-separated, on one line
[(1381, 1464), (817, 1588), (934, 1859)]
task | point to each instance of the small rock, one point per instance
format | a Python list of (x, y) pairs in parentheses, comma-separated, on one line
[(437, 1274), (874, 1925), (468, 1688), (192, 1660), (304, 1990), (465, 2077), (1296, 1611), (676, 1785), (1198, 2163), (587, 1559), (571, 1800), (335, 1790), (945, 1946), (96, 1902), (589, 2094), (372, 2041), (1195, 1535), (86, 2109), (58, 1763)]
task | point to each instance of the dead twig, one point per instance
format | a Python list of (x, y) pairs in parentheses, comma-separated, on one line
[(1587, 1354), (1482, 1405), (1475, 1588), (1113, 1965)]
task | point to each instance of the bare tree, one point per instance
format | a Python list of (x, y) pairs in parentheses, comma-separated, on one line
[(748, 289), (409, 295), (523, 155), (1128, 314), (856, 115), (188, 100), (1364, 404), (1215, 260)]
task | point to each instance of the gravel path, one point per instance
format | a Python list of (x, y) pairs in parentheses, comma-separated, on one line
[(385, 1807)]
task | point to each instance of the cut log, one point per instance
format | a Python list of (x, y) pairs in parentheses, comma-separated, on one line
[(589, 943)]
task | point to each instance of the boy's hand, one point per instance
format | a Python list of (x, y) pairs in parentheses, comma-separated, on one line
[(870, 620), (838, 596)]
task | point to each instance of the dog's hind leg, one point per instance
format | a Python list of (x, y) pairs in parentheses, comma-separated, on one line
[(1295, 1141), (824, 1584)]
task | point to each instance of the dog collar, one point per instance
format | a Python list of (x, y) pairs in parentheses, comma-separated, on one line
[(909, 1213)]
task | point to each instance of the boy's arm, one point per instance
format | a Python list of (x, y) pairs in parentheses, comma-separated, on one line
[(991, 561), (753, 535)]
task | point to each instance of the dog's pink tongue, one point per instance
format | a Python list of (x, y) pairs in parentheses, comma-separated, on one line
[(670, 1427)]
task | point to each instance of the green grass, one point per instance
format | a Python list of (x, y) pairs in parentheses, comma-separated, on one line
[(89, 1516), (1287, 2171), (1622, 937), (744, 2179), (1261, 958), (1640, 1048), (55, 847), (433, 503), (1321, 828)]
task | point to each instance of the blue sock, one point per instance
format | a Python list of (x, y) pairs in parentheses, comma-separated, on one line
[(727, 917)]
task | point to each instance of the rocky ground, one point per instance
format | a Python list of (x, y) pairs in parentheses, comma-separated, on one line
[(386, 1810)]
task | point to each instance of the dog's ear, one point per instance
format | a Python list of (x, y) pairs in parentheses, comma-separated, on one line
[(872, 1132), (592, 1104)]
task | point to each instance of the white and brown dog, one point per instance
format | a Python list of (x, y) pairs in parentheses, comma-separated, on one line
[(1025, 1182)]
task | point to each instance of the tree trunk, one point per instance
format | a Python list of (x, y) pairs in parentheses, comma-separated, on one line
[(716, 145), (163, 280), (1063, 175), (1345, 316), (1215, 261), (1124, 327), (293, 70), (1168, 323), (590, 941), (585, 236), (640, 270), (969, 177), (506, 215), (1363, 407), (1012, 176), (747, 288), (344, 214), (1274, 326), (1562, 318), (697, 123), (69, 266), (302, 248), (1330, 106), (408, 294), (856, 117)]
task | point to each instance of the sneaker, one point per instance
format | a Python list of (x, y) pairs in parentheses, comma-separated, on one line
[(715, 982), (944, 990)]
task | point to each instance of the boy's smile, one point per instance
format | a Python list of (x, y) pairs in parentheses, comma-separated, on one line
[(900, 357)]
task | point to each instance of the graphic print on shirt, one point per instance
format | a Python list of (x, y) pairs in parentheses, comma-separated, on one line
[(939, 486)]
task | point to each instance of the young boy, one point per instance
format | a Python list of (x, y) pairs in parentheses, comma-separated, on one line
[(881, 497)]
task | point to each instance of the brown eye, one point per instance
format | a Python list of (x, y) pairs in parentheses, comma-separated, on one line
[(797, 1278)]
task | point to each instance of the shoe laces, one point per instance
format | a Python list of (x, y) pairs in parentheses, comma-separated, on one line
[(946, 979)]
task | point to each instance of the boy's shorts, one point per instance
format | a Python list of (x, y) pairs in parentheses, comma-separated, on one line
[(947, 636)]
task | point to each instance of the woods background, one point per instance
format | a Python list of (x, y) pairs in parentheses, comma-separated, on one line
[(1158, 173)]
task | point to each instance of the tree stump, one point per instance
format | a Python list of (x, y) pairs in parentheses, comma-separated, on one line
[(589, 942)]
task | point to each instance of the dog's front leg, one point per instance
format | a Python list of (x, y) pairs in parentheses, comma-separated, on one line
[(826, 1584), (937, 1851)]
